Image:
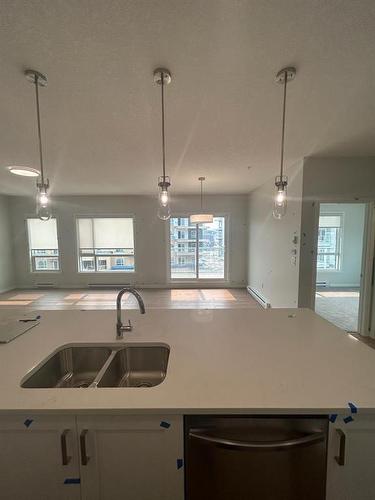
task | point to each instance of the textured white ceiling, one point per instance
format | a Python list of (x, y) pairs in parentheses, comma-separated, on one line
[(101, 110)]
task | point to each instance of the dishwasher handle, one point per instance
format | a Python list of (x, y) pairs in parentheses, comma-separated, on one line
[(310, 439)]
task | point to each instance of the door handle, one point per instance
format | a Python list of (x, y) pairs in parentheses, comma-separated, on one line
[(64, 450), (82, 440), (315, 437), (340, 458)]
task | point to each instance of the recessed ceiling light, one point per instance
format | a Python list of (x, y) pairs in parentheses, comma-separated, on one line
[(24, 171)]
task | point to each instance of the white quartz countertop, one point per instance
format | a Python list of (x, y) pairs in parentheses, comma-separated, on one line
[(221, 361)]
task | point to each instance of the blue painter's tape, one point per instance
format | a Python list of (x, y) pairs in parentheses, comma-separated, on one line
[(72, 480), (348, 419), (332, 418), (180, 463), (28, 422), (352, 407), (164, 424)]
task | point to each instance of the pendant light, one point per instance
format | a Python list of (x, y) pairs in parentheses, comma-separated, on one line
[(281, 181), (43, 208), (163, 77), (202, 217)]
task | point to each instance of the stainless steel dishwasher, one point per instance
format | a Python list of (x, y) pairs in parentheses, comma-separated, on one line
[(255, 458)]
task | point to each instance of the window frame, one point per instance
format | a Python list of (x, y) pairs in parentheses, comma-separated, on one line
[(31, 259), (339, 253), (225, 279), (78, 253)]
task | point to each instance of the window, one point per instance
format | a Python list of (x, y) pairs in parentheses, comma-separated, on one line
[(329, 255), (105, 244), (201, 254), (43, 245)]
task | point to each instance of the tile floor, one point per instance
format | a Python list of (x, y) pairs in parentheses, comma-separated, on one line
[(106, 299)]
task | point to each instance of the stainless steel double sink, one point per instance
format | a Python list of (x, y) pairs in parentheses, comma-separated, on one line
[(101, 365)]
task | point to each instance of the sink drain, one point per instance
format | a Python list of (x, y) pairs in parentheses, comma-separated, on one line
[(144, 384)]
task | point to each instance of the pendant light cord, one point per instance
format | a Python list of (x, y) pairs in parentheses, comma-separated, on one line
[(163, 123), (39, 128), (283, 128), (201, 194)]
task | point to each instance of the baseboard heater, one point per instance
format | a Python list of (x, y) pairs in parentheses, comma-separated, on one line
[(45, 285), (258, 297)]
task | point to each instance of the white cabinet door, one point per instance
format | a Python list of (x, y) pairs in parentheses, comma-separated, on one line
[(38, 458), (355, 478), (131, 457)]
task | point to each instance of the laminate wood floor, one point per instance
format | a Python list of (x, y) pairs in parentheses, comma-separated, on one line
[(57, 299)]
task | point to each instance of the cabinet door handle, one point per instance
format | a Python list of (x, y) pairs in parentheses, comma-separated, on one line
[(82, 440), (340, 458), (64, 450)]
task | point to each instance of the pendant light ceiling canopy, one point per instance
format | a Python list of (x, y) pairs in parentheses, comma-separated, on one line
[(202, 217), (281, 181), (163, 77), (42, 202)]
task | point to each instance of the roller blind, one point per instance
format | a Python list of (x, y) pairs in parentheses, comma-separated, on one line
[(330, 221), (106, 232), (42, 234), (85, 233)]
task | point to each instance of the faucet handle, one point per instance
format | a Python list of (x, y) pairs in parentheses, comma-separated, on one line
[(128, 327)]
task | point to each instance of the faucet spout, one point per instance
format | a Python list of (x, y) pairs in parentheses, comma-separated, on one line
[(120, 327)]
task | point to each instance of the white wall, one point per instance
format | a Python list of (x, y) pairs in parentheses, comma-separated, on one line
[(151, 237), (328, 180), (272, 271), (353, 218), (7, 275)]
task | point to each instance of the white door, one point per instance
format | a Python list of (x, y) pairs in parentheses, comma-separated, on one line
[(131, 457), (353, 478), (38, 458)]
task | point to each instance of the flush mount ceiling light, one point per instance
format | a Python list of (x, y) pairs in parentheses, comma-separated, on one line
[(43, 209), (23, 171), (163, 77), (202, 217), (281, 181)]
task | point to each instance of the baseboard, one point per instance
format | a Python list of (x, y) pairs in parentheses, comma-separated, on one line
[(4, 290), (258, 297)]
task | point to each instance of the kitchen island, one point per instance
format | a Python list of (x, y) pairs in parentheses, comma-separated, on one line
[(237, 361)]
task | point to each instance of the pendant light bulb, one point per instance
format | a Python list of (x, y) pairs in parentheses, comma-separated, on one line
[(164, 211), (43, 209), (280, 202), (281, 182), (164, 198), (162, 77)]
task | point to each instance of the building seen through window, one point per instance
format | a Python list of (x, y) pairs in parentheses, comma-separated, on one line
[(197, 253)]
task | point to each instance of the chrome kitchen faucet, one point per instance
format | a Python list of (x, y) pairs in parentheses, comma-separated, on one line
[(120, 327)]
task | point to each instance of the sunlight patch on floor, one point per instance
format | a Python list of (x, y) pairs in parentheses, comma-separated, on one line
[(27, 296), (75, 296), (103, 296), (15, 302), (185, 295), (218, 295)]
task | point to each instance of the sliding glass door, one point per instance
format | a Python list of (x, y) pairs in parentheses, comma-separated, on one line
[(197, 252)]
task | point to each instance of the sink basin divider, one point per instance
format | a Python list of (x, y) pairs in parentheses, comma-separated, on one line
[(104, 368)]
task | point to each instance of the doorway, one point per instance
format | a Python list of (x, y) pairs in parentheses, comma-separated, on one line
[(339, 263)]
